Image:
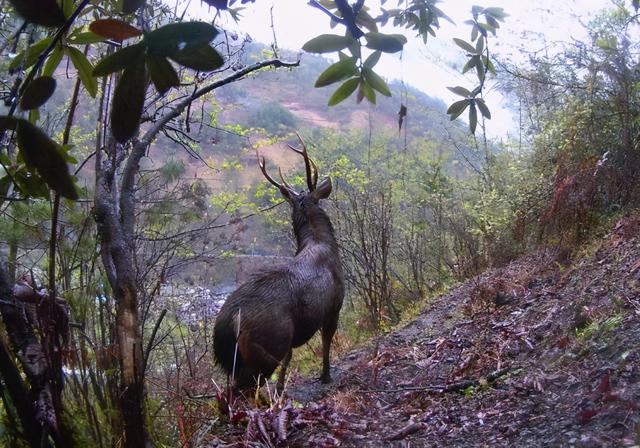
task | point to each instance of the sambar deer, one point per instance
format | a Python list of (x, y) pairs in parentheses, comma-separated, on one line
[(284, 306)]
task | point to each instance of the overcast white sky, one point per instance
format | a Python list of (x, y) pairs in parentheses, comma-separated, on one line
[(419, 65)]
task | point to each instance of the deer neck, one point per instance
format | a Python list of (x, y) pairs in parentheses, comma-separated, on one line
[(313, 229)]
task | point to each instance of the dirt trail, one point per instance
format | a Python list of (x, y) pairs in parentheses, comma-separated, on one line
[(543, 352)]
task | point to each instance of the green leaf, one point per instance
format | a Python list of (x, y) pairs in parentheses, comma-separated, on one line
[(480, 46), (53, 61), (200, 57), (473, 117), (337, 72), (366, 91), (492, 22), (29, 57), (484, 110), (497, 13), (457, 108), (471, 63), (41, 12), (162, 73), (85, 37), (375, 81), (37, 92), (489, 65), (172, 37), (128, 101), (85, 70), (327, 43), (466, 46), (373, 59), (387, 43), (129, 6), (344, 91), (459, 90), (119, 60), (40, 152)]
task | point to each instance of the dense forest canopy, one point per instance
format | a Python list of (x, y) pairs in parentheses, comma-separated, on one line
[(131, 201)]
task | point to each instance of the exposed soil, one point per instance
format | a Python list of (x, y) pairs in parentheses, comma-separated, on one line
[(542, 352)]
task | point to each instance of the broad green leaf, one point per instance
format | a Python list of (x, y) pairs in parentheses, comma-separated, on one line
[(473, 117), (40, 12), (492, 22), (200, 57), (387, 43), (114, 29), (496, 13), (344, 91), (373, 59), (29, 57), (457, 108), (129, 6), (327, 43), (34, 116), (471, 63), (484, 27), (119, 60), (162, 73), (85, 70), (85, 37), (128, 101), (365, 91), (480, 46), (52, 62), (172, 37), (365, 20), (355, 48), (479, 68), (375, 81), (484, 110), (474, 32), (43, 154), (37, 92), (459, 90), (337, 72), (466, 46), (489, 65)]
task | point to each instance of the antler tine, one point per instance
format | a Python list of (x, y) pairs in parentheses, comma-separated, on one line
[(315, 173), (262, 165), (284, 181), (307, 163)]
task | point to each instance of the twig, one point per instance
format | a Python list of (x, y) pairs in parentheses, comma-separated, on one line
[(441, 389), (151, 339)]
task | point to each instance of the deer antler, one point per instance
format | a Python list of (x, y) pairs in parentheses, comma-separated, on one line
[(309, 166), (262, 165)]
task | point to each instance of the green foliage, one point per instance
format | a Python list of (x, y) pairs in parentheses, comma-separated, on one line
[(272, 117)]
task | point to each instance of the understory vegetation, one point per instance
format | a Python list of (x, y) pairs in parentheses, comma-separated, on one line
[(156, 229)]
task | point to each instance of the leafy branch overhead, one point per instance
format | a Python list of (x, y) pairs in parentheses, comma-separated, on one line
[(477, 52), (355, 70)]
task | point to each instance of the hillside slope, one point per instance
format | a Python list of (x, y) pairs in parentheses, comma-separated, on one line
[(542, 352)]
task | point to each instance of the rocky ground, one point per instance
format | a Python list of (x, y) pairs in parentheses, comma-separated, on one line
[(542, 352)]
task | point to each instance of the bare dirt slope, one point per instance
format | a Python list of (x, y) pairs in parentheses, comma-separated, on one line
[(543, 352)]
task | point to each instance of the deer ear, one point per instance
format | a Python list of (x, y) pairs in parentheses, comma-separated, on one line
[(323, 190)]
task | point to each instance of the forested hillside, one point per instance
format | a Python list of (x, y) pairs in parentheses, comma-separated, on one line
[(151, 163)]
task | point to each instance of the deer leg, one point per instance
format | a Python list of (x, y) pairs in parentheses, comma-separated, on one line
[(328, 330), (283, 371)]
